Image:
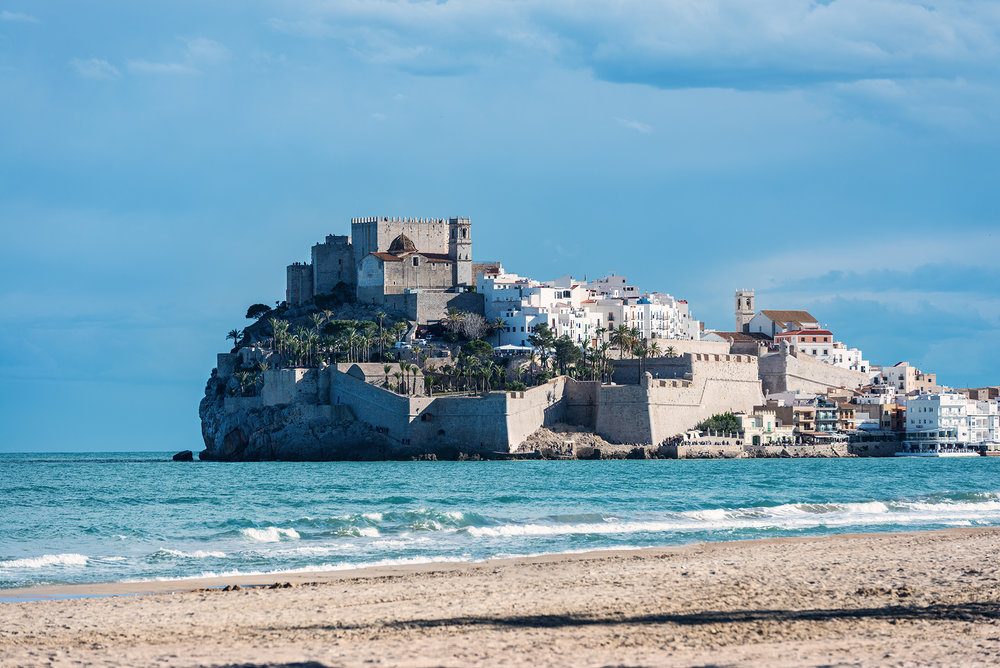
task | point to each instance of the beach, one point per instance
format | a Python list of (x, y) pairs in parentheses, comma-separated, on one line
[(921, 598)]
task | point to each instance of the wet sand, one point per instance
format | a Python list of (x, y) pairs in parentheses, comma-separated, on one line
[(930, 598)]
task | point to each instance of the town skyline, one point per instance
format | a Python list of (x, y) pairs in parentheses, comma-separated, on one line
[(163, 163)]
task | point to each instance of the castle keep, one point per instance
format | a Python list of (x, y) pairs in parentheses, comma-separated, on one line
[(392, 262)]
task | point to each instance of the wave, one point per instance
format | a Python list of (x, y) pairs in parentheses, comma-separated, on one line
[(269, 535), (47, 560), (197, 554), (789, 517)]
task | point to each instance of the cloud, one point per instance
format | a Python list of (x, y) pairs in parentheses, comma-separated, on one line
[(634, 125), (94, 68), (199, 54), (674, 43), (148, 67), (16, 17)]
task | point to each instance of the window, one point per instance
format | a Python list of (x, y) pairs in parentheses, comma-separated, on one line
[(416, 262)]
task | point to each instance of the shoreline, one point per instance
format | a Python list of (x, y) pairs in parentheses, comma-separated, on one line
[(325, 577), (889, 599)]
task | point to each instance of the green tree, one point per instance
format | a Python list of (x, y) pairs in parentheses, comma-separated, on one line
[(544, 339), (234, 334), (724, 422), (565, 352), (477, 348), (257, 310), (499, 325)]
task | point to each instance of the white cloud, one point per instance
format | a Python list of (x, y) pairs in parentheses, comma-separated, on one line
[(204, 51), (634, 125), (148, 67), (199, 53), (675, 43), (15, 16), (379, 116), (94, 68)]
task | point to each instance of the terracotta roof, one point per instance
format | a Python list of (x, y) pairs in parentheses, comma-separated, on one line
[(785, 317), (743, 337), (387, 257), (806, 332)]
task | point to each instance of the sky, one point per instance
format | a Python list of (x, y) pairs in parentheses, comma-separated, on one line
[(161, 163)]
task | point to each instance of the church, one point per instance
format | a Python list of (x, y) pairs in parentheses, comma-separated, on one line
[(390, 261)]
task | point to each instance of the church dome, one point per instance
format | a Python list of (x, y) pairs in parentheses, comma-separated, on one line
[(402, 244)]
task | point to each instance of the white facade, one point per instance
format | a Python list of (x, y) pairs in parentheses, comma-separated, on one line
[(937, 419), (578, 310), (984, 421)]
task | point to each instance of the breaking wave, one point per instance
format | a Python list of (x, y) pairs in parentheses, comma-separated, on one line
[(46, 560), (269, 535)]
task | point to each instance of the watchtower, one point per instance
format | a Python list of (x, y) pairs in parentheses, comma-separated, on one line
[(744, 310), (460, 250)]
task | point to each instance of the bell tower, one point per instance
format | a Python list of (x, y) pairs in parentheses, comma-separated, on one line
[(744, 310), (460, 250)]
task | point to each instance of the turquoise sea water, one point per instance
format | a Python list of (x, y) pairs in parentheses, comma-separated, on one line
[(113, 517)]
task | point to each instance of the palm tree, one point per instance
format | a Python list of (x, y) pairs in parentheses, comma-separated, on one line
[(399, 384), (429, 383), (233, 334), (654, 349), (317, 320), (622, 338), (387, 368), (532, 358), (499, 325), (671, 351), (381, 340)]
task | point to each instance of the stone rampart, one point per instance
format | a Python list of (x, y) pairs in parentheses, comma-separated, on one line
[(782, 372), (425, 307), (288, 386), (658, 408)]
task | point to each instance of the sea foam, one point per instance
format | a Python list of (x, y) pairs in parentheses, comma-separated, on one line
[(46, 560), (269, 535)]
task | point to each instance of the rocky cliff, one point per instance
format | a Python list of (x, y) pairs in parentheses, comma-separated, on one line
[(247, 431)]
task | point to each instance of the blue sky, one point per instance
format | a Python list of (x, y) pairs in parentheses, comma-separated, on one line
[(160, 164)]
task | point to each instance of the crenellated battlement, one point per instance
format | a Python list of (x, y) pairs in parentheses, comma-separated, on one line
[(395, 219)]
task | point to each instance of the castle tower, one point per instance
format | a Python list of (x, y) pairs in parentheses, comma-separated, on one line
[(460, 250), (744, 310)]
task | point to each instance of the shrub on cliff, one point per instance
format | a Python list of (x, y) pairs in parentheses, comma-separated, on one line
[(257, 310), (724, 422)]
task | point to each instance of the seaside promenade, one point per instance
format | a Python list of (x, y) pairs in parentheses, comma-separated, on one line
[(929, 598)]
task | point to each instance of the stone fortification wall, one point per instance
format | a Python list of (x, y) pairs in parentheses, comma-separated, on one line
[(581, 403), (387, 412), (290, 386), (626, 371), (426, 307), (333, 263), (374, 234), (622, 414), (658, 408), (781, 372), (298, 283), (526, 412)]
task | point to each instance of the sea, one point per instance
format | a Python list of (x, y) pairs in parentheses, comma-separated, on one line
[(97, 518)]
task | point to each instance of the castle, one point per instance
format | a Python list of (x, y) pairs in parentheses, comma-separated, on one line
[(418, 266)]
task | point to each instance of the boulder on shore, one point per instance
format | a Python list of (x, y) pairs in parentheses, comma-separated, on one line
[(184, 456)]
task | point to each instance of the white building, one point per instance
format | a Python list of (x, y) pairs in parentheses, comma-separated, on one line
[(949, 419), (576, 309)]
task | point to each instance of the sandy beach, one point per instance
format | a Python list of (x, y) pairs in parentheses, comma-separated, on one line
[(929, 598)]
